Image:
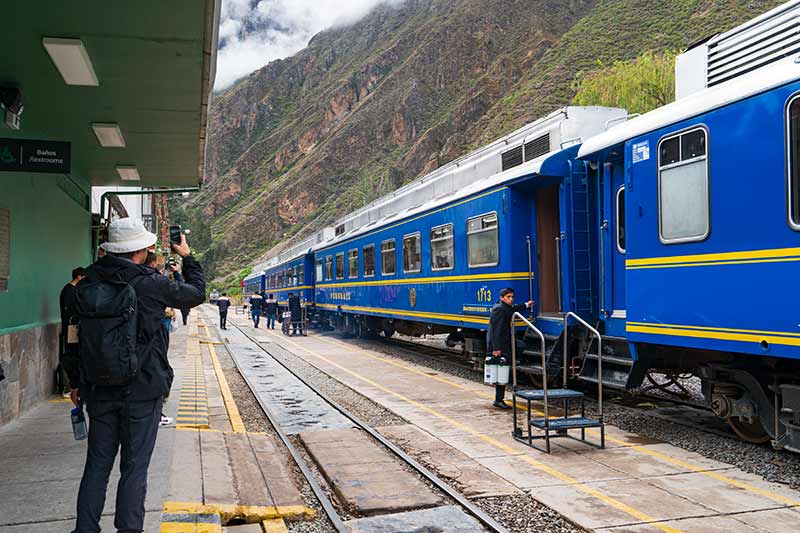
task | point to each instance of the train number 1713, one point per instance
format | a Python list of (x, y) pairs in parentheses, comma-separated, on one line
[(484, 295)]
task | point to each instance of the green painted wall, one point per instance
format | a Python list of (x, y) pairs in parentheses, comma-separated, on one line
[(50, 235)]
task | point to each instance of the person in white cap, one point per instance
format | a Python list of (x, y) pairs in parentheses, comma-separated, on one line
[(124, 393)]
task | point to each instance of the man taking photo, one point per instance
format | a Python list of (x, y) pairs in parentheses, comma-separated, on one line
[(121, 371)]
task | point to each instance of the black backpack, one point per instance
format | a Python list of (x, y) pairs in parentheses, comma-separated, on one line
[(107, 330)]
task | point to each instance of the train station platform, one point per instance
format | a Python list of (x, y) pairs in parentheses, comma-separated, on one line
[(207, 469), (635, 485)]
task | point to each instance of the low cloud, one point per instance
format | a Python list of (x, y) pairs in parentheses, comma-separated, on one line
[(254, 32)]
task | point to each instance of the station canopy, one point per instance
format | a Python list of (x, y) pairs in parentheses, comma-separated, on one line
[(145, 70)]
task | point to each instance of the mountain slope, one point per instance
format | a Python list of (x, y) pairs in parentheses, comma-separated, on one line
[(366, 108)]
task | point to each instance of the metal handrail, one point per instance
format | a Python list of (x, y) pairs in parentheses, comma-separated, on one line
[(514, 362), (599, 356)]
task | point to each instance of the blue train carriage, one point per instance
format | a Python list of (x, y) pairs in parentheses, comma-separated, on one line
[(252, 284), (433, 256), (701, 233), (292, 271)]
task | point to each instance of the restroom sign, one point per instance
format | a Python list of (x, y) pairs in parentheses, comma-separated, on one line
[(24, 155)]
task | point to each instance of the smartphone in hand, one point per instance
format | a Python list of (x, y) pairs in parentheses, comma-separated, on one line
[(175, 234)]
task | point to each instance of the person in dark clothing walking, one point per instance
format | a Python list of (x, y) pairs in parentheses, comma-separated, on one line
[(127, 416), (223, 302), (270, 310), (68, 338), (256, 302), (297, 313), (498, 336)]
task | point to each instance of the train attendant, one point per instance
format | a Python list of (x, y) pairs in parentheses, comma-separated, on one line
[(498, 336), (271, 309), (256, 301)]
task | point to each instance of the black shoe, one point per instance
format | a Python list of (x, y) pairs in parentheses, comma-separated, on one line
[(501, 405)]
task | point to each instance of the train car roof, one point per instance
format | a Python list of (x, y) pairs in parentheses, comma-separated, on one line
[(551, 164), (758, 81)]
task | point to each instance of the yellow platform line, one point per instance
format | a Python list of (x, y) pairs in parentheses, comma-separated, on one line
[(230, 404), (591, 491), (248, 513), (638, 448)]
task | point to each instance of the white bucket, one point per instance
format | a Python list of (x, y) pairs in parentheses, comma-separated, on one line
[(489, 371), (502, 374)]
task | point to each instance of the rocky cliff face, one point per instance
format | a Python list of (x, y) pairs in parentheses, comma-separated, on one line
[(366, 108)]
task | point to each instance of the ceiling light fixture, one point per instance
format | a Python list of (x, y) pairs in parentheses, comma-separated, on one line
[(128, 172), (109, 135), (72, 61)]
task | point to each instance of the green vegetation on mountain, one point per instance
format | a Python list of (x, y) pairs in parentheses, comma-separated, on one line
[(639, 85), (364, 109)]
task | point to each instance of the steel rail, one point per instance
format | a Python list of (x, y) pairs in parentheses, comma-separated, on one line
[(327, 505), (472, 509)]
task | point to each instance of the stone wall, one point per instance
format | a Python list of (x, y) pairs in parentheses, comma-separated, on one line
[(29, 358)]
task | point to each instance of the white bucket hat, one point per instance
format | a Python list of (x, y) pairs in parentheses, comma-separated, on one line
[(128, 235)]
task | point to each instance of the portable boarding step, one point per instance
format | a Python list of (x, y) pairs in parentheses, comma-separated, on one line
[(555, 426), (559, 426)]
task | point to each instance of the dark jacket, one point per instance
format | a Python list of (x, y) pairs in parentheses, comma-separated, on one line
[(498, 336), (154, 293), (67, 305), (294, 308), (270, 306), (256, 301), (223, 302)]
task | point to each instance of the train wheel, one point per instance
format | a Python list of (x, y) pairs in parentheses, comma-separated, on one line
[(388, 333), (749, 431)]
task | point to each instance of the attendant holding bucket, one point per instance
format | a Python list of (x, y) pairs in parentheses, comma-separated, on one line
[(498, 344)]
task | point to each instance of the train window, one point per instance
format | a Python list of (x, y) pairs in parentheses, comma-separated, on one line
[(621, 220), (329, 267), (369, 260), (442, 256), (319, 270), (388, 260), (683, 188), (294, 276), (794, 163), (301, 270), (352, 264), (412, 253), (482, 241), (340, 265)]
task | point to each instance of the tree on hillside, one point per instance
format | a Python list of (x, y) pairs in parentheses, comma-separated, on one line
[(639, 85)]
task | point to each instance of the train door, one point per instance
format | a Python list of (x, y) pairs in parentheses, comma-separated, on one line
[(615, 247), (548, 231)]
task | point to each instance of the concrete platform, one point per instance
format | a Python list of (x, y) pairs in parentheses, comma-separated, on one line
[(447, 518), (205, 469), (636, 484), (366, 477)]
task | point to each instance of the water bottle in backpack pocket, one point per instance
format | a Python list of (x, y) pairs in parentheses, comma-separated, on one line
[(106, 308)]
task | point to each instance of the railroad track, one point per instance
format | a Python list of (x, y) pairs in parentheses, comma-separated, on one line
[(328, 507)]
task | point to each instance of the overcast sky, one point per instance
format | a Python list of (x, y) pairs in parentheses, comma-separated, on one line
[(254, 32)]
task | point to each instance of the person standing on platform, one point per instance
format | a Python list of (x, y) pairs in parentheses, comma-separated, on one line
[(69, 337), (223, 302), (121, 371), (297, 313), (498, 336), (256, 300), (271, 310)]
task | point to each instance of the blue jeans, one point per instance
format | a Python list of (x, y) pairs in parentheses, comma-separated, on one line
[(256, 318), (271, 321), (115, 424), (168, 325)]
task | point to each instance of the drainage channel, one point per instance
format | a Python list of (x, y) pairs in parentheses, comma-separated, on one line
[(269, 408)]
